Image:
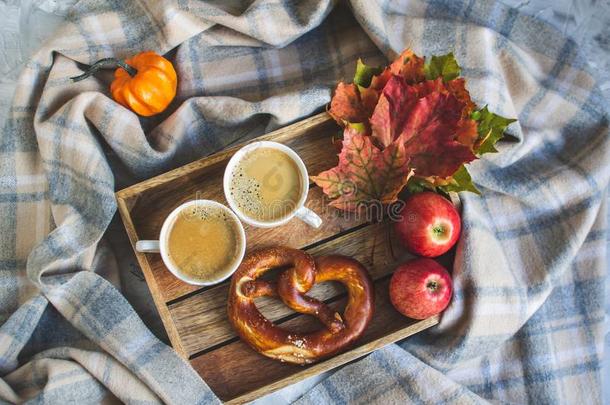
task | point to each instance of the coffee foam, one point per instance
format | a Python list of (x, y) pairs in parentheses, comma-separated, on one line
[(250, 188), (246, 193), (205, 212)]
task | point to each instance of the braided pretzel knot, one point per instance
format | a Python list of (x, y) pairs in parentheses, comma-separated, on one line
[(301, 348)]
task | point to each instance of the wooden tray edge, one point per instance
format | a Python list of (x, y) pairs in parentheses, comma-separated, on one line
[(127, 196), (338, 360), (164, 313)]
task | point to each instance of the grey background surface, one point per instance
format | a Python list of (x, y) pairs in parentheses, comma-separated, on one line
[(25, 24)]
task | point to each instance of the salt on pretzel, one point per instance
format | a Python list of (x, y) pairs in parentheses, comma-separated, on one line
[(292, 285)]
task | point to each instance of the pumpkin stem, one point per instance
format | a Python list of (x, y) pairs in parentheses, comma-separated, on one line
[(105, 64)]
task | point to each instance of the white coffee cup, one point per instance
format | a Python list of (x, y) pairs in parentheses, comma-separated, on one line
[(161, 245), (300, 211)]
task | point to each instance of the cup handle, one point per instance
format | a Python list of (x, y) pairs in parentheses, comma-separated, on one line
[(309, 217), (147, 246)]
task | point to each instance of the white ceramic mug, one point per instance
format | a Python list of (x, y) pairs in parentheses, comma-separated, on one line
[(300, 211), (161, 245)]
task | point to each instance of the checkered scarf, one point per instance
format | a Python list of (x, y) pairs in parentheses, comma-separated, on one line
[(526, 321)]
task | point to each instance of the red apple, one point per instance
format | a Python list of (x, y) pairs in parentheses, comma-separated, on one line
[(420, 288), (429, 225)]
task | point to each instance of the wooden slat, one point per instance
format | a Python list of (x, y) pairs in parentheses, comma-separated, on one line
[(239, 379), (201, 319)]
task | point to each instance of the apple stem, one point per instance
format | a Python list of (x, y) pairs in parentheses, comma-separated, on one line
[(438, 230), (432, 285)]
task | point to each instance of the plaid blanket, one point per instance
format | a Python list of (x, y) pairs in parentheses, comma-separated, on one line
[(526, 321)]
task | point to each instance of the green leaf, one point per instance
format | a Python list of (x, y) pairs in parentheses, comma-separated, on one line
[(445, 66), (417, 185), (365, 73), (491, 129), (357, 126), (461, 182)]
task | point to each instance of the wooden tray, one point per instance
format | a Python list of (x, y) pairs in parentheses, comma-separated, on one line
[(195, 318)]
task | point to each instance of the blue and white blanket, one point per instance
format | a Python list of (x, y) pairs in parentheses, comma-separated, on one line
[(526, 322)]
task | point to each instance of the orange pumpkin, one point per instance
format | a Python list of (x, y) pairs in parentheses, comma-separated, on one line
[(145, 83)]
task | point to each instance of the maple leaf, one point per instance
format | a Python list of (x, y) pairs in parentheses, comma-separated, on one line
[(379, 81), (491, 129), (430, 86), (398, 97), (409, 66), (460, 181), (355, 102), (365, 174), (429, 136), (364, 73), (381, 122), (428, 126), (369, 98), (444, 66), (457, 182), (457, 87), (346, 105), (419, 184), (390, 113), (467, 133)]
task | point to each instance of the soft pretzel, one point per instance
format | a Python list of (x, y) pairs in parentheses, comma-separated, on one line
[(301, 348)]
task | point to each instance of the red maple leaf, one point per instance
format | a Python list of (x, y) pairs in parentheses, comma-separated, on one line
[(346, 105), (427, 118), (365, 174), (429, 135), (457, 87), (409, 66), (466, 132), (355, 104)]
